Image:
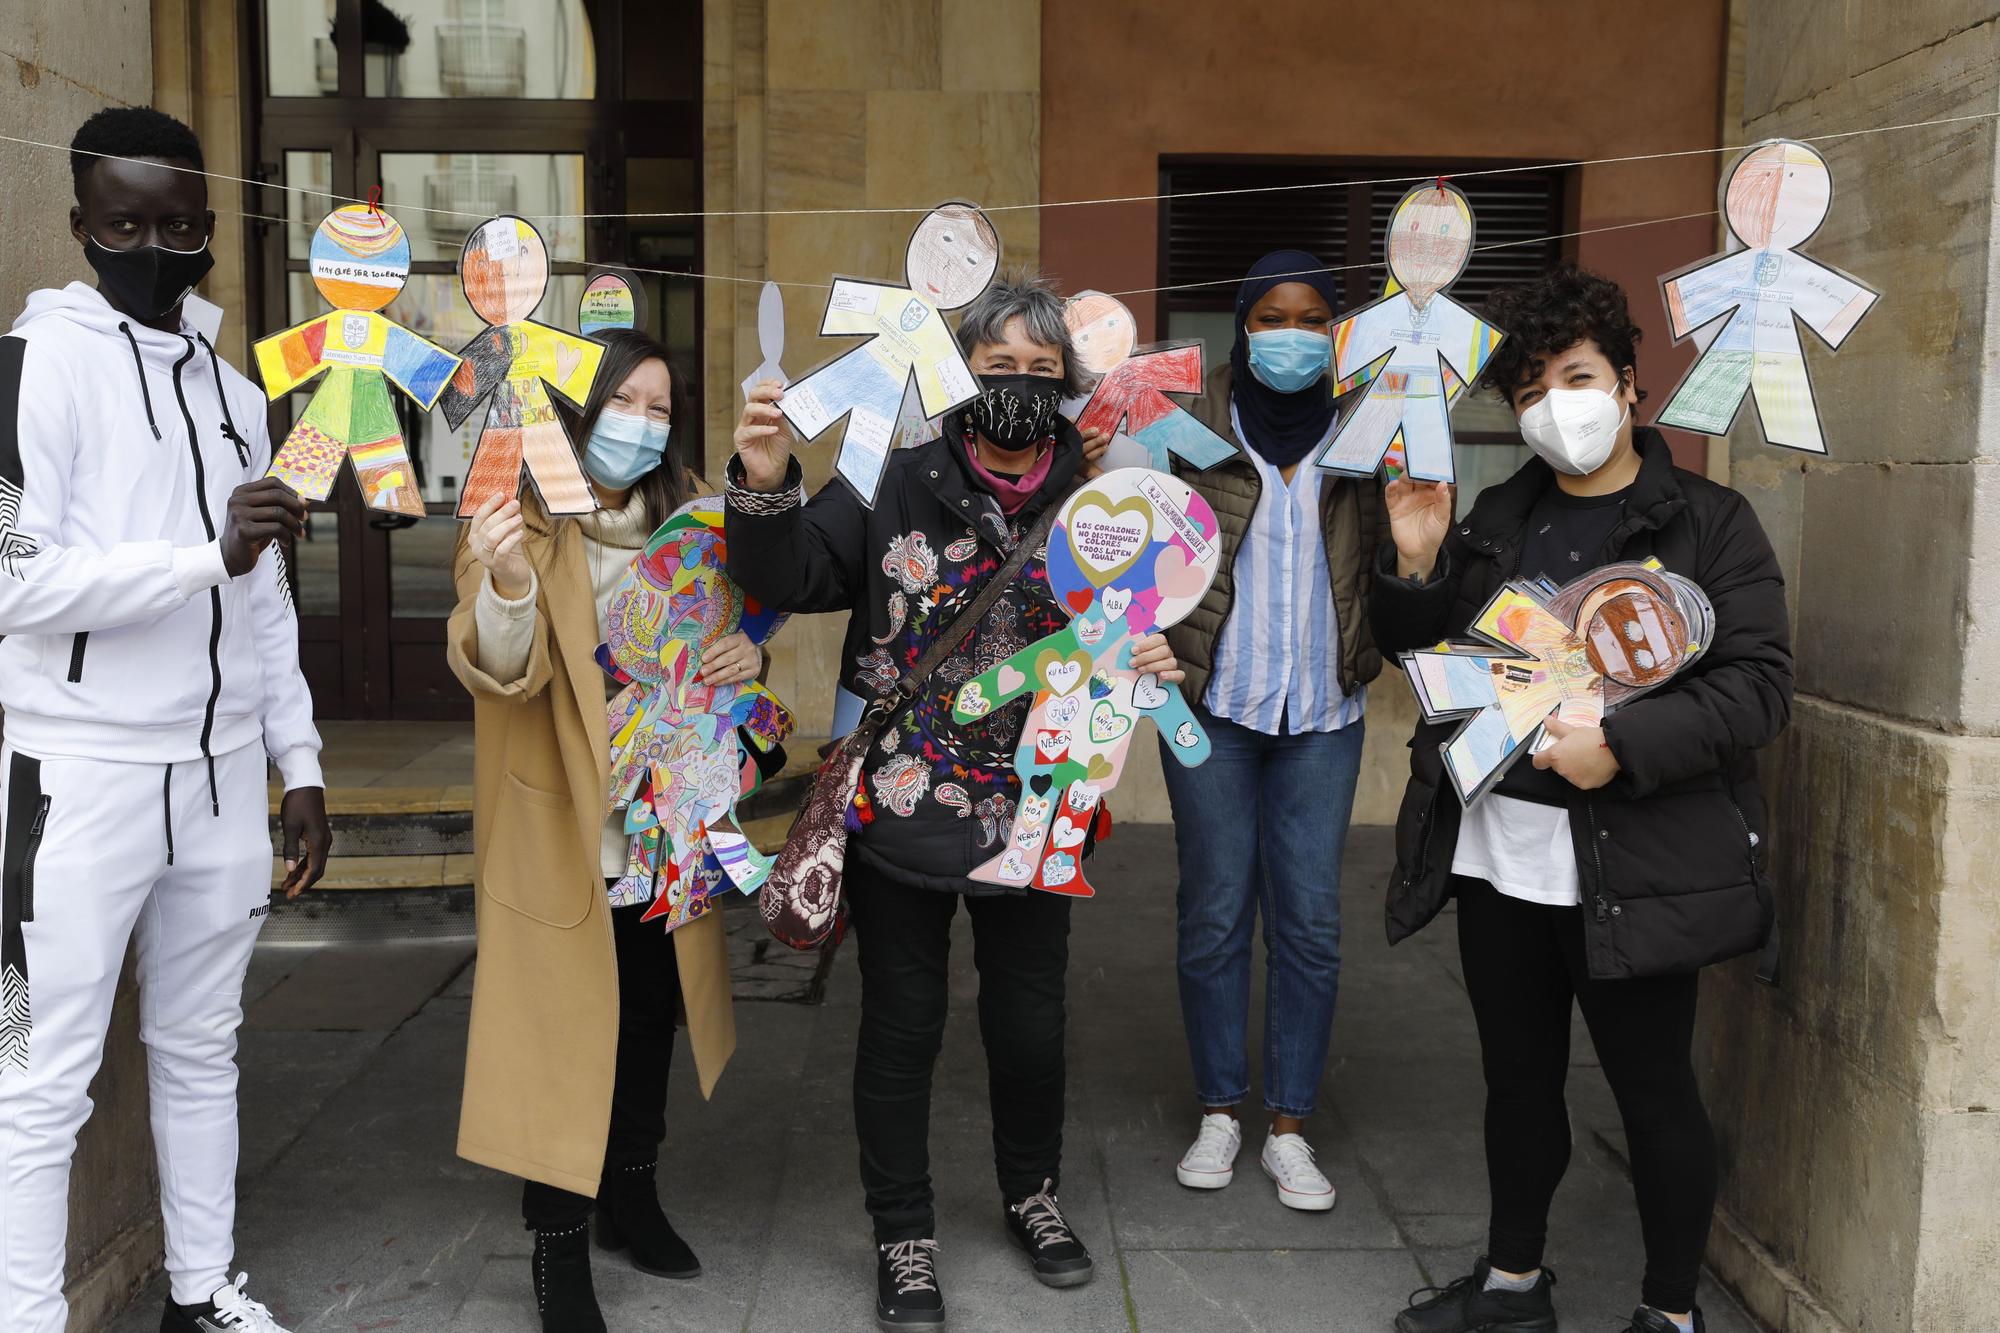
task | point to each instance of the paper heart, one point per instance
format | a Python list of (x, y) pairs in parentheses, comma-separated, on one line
[(1014, 867), (1148, 693), (1008, 679), (567, 360), (1089, 632), (1106, 537), (1098, 768), (1039, 784), (1107, 724), (1051, 746), (1082, 796), (1068, 832), (972, 700), (1063, 673), (1062, 712), (1100, 685), (1034, 809), (1058, 869), (1079, 600), (1115, 602), (1030, 838), (1175, 577), (1186, 736)]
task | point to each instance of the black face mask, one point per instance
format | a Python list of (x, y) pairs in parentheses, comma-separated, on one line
[(1016, 411), (148, 280)]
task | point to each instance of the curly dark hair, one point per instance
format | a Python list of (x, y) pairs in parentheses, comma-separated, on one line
[(1551, 314), (130, 131)]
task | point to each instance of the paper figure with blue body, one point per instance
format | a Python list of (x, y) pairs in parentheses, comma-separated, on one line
[(678, 759), (1743, 308), (1131, 553), (1573, 653), (360, 259), (1407, 347), (952, 256), (1133, 385)]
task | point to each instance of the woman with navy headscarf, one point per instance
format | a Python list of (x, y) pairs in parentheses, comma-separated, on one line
[(1278, 657)]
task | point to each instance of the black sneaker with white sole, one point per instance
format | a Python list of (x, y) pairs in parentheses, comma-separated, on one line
[(228, 1310), (1037, 1225), (1465, 1306), (907, 1294)]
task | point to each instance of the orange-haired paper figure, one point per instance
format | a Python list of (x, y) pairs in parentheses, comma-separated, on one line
[(1743, 308), (1407, 346), (505, 271), (1129, 402), (359, 260)]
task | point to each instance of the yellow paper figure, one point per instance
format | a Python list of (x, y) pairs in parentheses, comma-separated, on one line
[(505, 271), (360, 259)]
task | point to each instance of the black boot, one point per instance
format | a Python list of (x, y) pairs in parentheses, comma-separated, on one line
[(563, 1293), (1465, 1305), (629, 1214)]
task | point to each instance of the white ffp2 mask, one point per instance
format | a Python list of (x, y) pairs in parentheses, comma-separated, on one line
[(1573, 430)]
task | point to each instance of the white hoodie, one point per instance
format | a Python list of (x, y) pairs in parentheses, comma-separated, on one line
[(125, 637)]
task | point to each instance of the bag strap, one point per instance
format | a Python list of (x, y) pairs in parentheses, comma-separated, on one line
[(884, 707)]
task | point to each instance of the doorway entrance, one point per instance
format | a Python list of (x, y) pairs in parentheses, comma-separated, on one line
[(566, 112)]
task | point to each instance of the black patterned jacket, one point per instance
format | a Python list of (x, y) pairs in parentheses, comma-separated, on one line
[(943, 794)]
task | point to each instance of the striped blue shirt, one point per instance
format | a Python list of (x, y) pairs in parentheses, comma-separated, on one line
[(1277, 664)]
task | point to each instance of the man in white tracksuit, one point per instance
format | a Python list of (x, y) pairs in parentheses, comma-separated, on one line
[(149, 666)]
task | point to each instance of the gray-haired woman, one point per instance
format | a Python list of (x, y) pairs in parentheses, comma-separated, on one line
[(939, 797)]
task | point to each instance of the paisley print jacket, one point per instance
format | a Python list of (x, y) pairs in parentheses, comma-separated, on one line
[(943, 794)]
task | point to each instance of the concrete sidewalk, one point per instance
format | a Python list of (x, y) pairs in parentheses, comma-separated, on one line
[(357, 1216)]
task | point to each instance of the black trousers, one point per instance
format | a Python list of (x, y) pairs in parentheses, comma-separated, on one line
[(1020, 946), (649, 1003), (1523, 966)]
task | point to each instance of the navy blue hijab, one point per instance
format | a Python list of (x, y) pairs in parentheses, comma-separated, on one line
[(1283, 427)]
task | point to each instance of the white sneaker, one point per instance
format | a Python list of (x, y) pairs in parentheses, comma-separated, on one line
[(235, 1312), (1211, 1162), (1288, 1160)]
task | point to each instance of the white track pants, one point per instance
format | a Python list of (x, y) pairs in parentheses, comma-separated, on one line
[(95, 851)]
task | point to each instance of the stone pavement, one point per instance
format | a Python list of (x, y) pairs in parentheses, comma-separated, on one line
[(357, 1216)]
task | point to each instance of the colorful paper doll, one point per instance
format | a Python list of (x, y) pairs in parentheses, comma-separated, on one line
[(1133, 385), (612, 299), (678, 760), (1407, 346), (1131, 553), (1743, 308), (1573, 653), (952, 255), (359, 260), (505, 271)]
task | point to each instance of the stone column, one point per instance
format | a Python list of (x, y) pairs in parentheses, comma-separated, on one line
[(1858, 1105)]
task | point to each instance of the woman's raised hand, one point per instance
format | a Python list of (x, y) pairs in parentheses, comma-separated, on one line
[(730, 660), (1419, 518), (496, 539), (764, 438)]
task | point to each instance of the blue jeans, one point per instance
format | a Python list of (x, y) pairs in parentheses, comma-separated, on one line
[(1262, 823)]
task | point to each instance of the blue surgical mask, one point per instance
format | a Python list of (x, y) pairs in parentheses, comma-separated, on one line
[(623, 448), (1289, 360)]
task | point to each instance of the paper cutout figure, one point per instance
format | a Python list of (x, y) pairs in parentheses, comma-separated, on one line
[(1406, 346), (1131, 553), (678, 762), (1743, 307), (360, 260), (953, 254), (1574, 653), (505, 271), (613, 299), (1133, 385), (770, 338)]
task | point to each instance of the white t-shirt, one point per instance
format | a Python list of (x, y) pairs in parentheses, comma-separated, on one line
[(1522, 848)]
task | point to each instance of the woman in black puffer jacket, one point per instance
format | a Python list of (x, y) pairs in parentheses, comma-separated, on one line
[(1615, 865)]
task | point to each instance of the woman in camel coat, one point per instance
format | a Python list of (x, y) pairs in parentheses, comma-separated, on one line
[(551, 1092)]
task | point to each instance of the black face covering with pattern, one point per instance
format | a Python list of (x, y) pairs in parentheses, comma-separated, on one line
[(1016, 411)]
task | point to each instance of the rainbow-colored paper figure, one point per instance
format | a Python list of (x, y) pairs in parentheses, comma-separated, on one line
[(678, 761), (360, 260)]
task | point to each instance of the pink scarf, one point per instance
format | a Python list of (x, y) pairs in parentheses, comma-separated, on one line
[(1012, 492)]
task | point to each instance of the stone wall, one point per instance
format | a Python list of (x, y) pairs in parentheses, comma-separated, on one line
[(1858, 1105), (60, 64), (849, 104)]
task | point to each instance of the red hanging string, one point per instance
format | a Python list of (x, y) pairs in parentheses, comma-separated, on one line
[(375, 198), (1440, 183)]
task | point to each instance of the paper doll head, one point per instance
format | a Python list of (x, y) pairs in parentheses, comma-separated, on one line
[(505, 270), (1142, 546), (1430, 238), (1101, 330), (612, 299), (360, 258), (953, 254), (1777, 195)]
